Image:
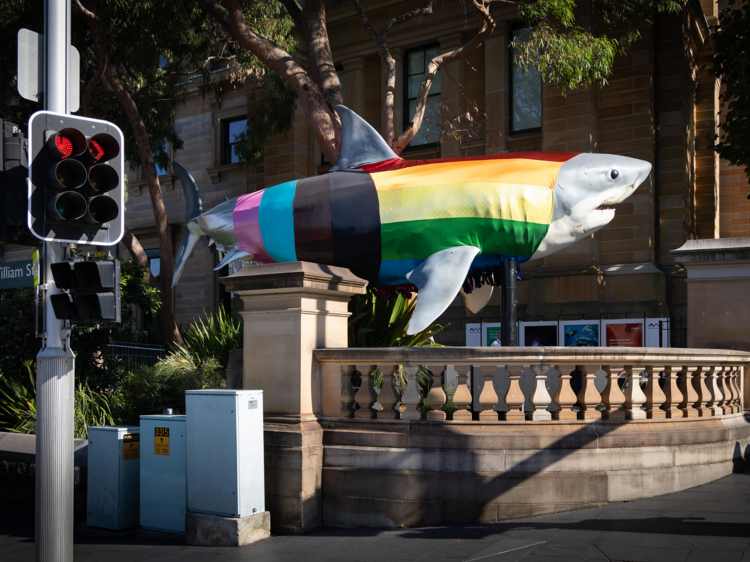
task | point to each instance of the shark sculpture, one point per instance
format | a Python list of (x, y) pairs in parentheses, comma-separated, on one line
[(430, 223)]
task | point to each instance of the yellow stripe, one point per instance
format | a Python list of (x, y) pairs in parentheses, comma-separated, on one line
[(512, 171), (490, 200)]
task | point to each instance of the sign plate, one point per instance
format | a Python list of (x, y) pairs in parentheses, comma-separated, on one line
[(131, 446), (161, 441), (15, 274)]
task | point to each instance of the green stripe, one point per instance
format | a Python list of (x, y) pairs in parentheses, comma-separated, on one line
[(420, 239)]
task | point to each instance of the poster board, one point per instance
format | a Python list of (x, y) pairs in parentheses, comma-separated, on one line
[(490, 333), (652, 332), (538, 334), (625, 332), (580, 333), (473, 335)]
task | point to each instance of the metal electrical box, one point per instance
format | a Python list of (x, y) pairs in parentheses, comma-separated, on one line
[(163, 488), (113, 495), (225, 452)]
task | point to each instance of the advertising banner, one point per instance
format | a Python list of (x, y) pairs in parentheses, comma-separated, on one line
[(473, 335), (579, 333), (623, 333), (653, 326), (538, 334), (490, 333)]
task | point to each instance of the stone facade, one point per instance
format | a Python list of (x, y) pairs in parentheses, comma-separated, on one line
[(658, 105)]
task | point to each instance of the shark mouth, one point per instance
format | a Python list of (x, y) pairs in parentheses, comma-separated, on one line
[(611, 207)]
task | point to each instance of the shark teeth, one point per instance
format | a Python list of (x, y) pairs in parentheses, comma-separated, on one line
[(606, 208)]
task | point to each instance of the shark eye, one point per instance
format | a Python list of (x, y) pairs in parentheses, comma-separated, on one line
[(614, 174)]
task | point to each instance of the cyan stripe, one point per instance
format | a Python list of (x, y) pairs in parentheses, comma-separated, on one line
[(393, 272), (276, 218)]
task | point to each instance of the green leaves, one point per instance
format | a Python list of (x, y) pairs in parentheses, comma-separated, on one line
[(731, 62)]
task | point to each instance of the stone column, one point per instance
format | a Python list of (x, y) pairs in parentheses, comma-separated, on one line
[(540, 398), (672, 392), (514, 398), (354, 84), (462, 397), (588, 397), (496, 89), (450, 94), (689, 395), (612, 396), (390, 401), (436, 397), (488, 398), (655, 396), (565, 398), (634, 397), (290, 309)]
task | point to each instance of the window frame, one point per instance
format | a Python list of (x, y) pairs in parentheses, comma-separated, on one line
[(407, 99), (530, 130), (226, 144)]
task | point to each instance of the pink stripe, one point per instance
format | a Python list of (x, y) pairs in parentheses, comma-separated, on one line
[(247, 227)]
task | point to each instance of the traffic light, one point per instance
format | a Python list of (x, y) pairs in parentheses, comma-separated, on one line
[(76, 177), (91, 291), (14, 163)]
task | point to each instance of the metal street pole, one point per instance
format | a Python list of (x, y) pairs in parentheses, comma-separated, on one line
[(55, 361), (508, 329)]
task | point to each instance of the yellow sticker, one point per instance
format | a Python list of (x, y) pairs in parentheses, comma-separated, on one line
[(161, 441), (131, 446)]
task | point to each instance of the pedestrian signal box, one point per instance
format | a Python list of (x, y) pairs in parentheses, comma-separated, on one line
[(91, 291)]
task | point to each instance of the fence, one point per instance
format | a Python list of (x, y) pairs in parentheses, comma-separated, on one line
[(136, 354)]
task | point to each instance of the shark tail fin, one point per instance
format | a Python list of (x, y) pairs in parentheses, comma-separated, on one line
[(191, 233)]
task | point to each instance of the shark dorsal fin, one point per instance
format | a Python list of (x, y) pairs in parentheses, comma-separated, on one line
[(360, 143)]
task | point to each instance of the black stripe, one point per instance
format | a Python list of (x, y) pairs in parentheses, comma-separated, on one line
[(313, 237), (356, 223)]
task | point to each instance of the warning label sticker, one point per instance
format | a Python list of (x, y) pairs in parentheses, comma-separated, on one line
[(161, 441), (131, 446)]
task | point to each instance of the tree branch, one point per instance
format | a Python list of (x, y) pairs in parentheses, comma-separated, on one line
[(320, 117), (488, 26)]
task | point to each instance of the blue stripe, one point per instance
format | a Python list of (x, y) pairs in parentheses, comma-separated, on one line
[(276, 218)]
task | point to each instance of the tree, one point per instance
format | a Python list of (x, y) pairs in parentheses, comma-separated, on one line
[(730, 61), (564, 52)]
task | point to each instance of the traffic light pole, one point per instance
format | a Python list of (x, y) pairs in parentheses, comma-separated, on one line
[(55, 361)]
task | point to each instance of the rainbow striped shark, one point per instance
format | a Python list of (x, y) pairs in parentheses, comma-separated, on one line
[(429, 223)]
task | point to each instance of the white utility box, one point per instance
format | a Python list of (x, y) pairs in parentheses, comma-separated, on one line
[(225, 452), (163, 488), (112, 496)]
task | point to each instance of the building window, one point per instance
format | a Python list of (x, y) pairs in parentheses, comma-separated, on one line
[(414, 69), (235, 135), (526, 92), (159, 170)]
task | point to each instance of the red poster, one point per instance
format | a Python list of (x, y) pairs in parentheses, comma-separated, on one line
[(625, 335)]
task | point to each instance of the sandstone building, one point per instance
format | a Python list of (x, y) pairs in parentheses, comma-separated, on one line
[(659, 105)]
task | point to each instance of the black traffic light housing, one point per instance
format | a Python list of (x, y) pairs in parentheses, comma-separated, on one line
[(91, 291), (14, 162), (77, 179)]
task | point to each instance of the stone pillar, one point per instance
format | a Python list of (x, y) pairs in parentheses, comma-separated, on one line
[(290, 309), (354, 84), (452, 75), (496, 89)]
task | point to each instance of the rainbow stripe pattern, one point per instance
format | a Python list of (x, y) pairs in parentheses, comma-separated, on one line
[(382, 220)]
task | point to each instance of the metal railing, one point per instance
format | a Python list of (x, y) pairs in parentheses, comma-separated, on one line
[(136, 354)]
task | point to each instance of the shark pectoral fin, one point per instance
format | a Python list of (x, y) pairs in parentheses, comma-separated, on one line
[(439, 278), (234, 253)]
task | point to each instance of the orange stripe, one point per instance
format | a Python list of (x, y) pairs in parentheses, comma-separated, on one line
[(514, 171)]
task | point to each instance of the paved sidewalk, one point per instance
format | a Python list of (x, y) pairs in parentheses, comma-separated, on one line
[(709, 523)]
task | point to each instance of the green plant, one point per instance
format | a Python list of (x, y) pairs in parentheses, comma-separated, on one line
[(449, 407), (380, 321), (215, 337)]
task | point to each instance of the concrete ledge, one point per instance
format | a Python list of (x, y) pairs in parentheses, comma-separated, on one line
[(202, 529)]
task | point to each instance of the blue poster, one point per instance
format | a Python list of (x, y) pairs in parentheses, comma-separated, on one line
[(581, 335)]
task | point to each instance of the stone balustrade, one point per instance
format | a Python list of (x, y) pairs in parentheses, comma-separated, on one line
[(627, 384)]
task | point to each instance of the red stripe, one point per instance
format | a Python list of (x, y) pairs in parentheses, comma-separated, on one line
[(400, 163)]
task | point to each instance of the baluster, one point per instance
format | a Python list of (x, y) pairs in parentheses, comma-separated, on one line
[(588, 397), (726, 396), (514, 398), (655, 396), (612, 396), (634, 397), (540, 398), (366, 395), (462, 397), (689, 395), (704, 397), (734, 394), (739, 400), (412, 397), (347, 391), (564, 397), (714, 391), (388, 397), (488, 398), (436, 397), (672, 392)]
